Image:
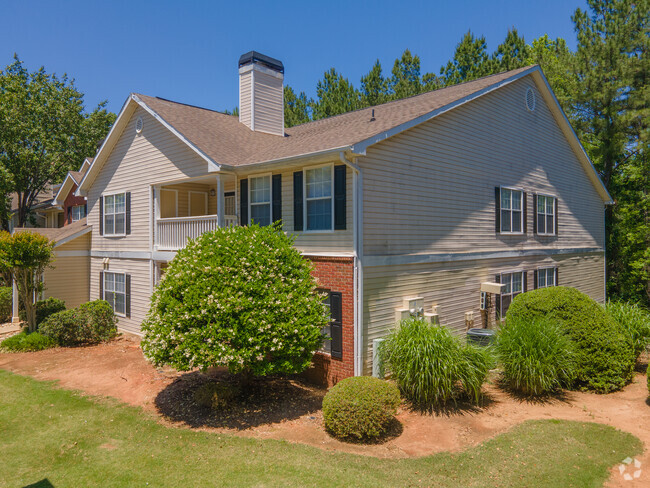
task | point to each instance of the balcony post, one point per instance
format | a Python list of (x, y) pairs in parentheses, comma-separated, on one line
[(15, 316), (221, 203)]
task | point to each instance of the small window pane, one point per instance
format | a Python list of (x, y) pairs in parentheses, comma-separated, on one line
[(261, 189), (109, 206), (505, 198), (549, 206), (261, 214), (549, 224), (516, 221), (319, 214), (541, 279), (120, 305), (540, 204), (119, 223), (319, 182), (550, 277), (516, 200), (505, 221), (516, 282), (119, 283), (541, 227)]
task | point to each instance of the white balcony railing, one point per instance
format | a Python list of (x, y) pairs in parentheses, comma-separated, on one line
[(172, 233)]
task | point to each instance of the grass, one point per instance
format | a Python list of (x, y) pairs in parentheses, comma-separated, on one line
[(60, 437)]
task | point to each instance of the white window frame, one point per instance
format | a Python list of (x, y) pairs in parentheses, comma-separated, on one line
[(512, 297), (545, 215), (546, 269), (523, 202), (112, 194), (326, 347), (305, 200), (270, 202), (123, 273), (189, 201), (79, 207)]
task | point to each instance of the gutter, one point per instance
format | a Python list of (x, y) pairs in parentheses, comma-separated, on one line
[(357, 212)]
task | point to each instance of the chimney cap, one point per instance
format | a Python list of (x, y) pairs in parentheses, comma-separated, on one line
[(252, 57)]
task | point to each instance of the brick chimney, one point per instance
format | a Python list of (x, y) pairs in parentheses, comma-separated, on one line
[(261, 93)]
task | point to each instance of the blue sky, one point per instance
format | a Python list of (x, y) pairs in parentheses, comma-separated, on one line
[(187, 50)]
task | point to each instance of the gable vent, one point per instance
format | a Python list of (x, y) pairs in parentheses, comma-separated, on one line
[(138, 125), (530, 99)]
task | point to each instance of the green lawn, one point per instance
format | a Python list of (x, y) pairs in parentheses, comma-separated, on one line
[(55, 437)]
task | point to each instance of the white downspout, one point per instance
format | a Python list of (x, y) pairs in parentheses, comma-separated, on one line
[(357, 232), (15, 317)]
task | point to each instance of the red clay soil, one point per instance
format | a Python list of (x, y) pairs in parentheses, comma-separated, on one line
[(119, 370)]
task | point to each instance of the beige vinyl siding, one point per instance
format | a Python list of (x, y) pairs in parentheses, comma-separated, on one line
[(269, 107), (140, 271), (455, 288), (245, 97), (339, 241), (431, 188), (68, 279), (135, 163)]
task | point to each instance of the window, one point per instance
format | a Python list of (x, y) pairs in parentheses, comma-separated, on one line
[(318, 198), (115, 214), (327, 330), (514, 286), (546, 277), (512, 215), (115, 291), (545, 215), (78, 212), (260, 199)]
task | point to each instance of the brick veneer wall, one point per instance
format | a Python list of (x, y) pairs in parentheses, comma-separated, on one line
[(336, 274), (71, 201)]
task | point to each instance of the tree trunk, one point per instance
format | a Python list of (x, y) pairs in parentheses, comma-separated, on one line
[(25, 281)]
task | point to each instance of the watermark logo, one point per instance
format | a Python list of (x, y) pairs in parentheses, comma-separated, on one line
[(630, 469)]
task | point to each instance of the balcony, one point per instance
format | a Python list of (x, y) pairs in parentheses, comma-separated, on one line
[(185, 210)]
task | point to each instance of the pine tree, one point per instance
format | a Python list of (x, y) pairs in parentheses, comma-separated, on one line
[(296, 108), (374, 87), (470, 61), (512, 53), (335, 95), (405, 81)]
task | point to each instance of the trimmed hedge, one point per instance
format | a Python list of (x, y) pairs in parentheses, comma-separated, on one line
[(44, 308), (360, 408), (26, 342), (431, 366), (537, 355), (90, 323), (604, 353), (5, 303)]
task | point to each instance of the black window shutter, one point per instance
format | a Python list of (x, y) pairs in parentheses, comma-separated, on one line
[(557, 276), (336, 325), (525, 205), (243, 202), (85, 209), (69, 215), (297, 201), (101, 216), (535, 213), (525, 273), (127, 295), (127, 218), (497, 298), (556, 212), (276, 198), (497, 204), (101, 285), (535, 280), (340, 173)]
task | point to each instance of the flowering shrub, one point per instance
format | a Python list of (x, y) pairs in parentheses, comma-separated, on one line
[(241, 297)]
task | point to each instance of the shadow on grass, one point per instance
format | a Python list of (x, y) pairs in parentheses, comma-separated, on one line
[(44, 483), (264, 401)]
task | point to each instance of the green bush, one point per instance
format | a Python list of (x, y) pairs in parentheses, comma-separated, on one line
[(216, 395), (431, 366), (360, 408), (604, 354), (635, 320), (90, 323), (240, 297), (25, 342), (5, 304), (537, 355), (44, 308)]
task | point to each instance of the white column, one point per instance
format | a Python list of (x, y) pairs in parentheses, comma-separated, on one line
[(221, 202), (14, 303)]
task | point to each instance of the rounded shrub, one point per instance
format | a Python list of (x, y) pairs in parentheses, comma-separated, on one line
[(360, 408), (604, 354), (89, 323), (27, 342), (537, 355), (240, 297), (431, 366), (47, 307), (635, 320)]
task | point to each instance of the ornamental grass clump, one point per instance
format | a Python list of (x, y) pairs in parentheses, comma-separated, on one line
[(537, 356), (239, 297), (635, 320), (605, 356), (361, 408), (432, 367)]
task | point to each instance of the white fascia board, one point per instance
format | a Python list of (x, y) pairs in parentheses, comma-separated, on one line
[(64, 190), (212, 165), (83, 231), (582, 154), (334, 152)]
